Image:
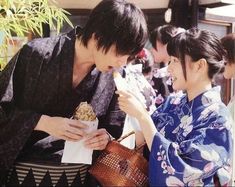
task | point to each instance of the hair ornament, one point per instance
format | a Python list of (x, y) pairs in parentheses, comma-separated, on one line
[(142, 54)]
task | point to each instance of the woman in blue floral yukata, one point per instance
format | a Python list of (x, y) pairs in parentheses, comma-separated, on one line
[(189, 136)]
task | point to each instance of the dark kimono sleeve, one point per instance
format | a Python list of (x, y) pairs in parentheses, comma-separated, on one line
[(16, 123)]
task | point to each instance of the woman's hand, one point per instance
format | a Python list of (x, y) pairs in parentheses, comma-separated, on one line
[(130, 104), (97, 140), (63, 128)]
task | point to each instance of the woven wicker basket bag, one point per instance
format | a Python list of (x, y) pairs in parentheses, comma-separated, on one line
[(120, 166)]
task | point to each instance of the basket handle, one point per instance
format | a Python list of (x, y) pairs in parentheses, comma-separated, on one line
[(140, 146), (127, 135)]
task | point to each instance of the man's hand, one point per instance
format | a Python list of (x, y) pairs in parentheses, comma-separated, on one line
[(97, 140), (63, 128)]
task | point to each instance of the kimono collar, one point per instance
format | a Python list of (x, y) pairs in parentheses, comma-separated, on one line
[(104, 93), (206, 98)]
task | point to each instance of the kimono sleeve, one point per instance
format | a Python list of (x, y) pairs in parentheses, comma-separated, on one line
[(16, 124), (194, 161)]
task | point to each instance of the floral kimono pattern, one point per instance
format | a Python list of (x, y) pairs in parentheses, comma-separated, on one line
[(140, 87), (231, 107), (193, 142)]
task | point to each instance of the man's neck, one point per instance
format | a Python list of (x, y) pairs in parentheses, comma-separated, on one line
[(83, 57)]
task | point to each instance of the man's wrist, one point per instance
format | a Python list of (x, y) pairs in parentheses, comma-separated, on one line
[(41, 123), (110, 136)]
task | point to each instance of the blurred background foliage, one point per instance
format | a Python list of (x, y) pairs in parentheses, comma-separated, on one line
[(19, 17)]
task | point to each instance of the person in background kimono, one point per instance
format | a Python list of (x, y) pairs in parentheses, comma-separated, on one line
[(161, 81), (228, 42), (145, 59), (159, 39), (48, 78), (190, 136), (137, 73)]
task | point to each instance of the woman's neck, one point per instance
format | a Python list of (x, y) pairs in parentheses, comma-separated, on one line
[(197, 89)]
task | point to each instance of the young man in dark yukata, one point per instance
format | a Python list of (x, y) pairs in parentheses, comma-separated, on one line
[(48, 78)]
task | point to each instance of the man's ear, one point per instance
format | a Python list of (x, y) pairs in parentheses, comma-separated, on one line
[(93, 41), (93, 36)]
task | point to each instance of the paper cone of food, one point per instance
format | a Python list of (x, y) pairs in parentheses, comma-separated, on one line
[(76, 152), (85, 114), (131, 123), (120, 82)]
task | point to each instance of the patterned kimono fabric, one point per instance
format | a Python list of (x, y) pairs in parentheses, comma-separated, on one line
[(231, 107), (193, 142), (141, 88)]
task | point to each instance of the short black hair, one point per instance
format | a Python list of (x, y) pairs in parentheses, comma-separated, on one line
[(162, 34), (116, 22), (198, 44), (228, 42)]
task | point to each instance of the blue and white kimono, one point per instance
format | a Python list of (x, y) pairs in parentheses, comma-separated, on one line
[(193, 142)]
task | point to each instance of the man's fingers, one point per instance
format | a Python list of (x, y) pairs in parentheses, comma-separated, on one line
[(98, 132), (72, 135), (68, 138), (75, 123), (95, 139), (99, 145), (76, 130)]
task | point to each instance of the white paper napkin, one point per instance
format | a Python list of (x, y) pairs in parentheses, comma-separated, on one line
[(76, 152)]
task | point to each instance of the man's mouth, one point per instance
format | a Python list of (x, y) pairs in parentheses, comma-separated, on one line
[(173, 79), (110, 67)]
